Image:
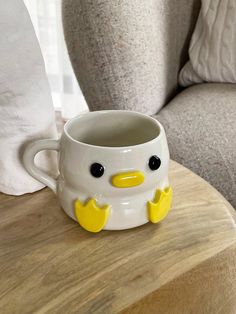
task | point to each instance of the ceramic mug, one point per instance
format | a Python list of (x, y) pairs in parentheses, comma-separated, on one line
[(113, 170)]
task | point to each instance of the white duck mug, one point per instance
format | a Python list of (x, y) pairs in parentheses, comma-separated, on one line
[(113, 170)]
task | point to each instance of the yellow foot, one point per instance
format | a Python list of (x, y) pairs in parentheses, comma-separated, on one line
[(159, 208), (90, 216)]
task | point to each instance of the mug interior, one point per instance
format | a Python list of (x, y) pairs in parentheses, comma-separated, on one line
[(113, 128)]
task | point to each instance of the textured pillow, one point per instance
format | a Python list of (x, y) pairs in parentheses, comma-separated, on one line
[(212, 50), (26, 111)]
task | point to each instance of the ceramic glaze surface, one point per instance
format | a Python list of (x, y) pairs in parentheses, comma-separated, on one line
[(121, 184)]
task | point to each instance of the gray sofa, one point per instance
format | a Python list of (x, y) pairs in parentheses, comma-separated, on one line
[(127, 54)]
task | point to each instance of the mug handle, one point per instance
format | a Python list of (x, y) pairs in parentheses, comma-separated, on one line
[(28, 160)]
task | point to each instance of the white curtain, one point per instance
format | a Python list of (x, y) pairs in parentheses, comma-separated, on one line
[(66, 94)]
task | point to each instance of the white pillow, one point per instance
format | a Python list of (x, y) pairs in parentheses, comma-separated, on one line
[(212, 50), (26, 111)]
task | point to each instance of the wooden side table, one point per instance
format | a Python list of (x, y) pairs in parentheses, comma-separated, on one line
[(187, 264)]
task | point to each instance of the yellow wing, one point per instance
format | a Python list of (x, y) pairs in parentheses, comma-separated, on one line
[(90, 216), (159, 208)]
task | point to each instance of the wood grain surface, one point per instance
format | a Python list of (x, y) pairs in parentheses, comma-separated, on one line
[(187, 264)]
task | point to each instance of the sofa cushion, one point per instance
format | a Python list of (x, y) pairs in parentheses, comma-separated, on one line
[(213, 45), (201, 131)]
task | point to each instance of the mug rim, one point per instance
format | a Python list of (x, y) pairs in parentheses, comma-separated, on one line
[(135, 113)]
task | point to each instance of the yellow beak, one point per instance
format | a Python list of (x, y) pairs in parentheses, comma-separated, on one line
[(127, 179)]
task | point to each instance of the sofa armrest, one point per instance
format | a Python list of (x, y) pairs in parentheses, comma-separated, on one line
[(127, 54)]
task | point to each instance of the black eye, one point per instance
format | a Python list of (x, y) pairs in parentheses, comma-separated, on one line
[(96, 170), (154, 163)]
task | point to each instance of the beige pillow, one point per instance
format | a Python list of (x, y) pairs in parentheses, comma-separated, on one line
[(212, 51)]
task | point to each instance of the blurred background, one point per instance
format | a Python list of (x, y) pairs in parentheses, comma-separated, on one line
[(66, 94)]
